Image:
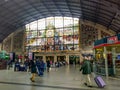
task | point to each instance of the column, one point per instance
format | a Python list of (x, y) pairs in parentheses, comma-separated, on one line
[(0, 46), (11, 46), (81, 57), (55, 58), (3, 46), (94, 65), (23, 45), (106, 62), (79, 35), (113, 60), (67, 59), (44, 58), (99, 34)]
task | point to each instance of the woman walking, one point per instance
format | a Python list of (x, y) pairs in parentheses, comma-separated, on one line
[(33, 70)]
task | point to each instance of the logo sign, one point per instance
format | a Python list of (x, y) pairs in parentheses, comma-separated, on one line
[(112, 40)]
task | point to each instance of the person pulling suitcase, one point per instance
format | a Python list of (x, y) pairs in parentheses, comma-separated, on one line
[(87, 69)]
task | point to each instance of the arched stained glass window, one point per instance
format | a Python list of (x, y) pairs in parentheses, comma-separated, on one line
[(53, 34)]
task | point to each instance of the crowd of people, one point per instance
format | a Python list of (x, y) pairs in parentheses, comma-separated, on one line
[(38, 66)]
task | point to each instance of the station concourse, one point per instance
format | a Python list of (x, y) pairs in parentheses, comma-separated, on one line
[(59, 31), (65, 78)]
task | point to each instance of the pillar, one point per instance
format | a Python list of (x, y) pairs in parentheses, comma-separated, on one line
[(12, 43), (81, 58), (23, 45), (80, 55), (55, 58), (79, 35), (114, 58), (106, 62), (67, 59), (99, 34), (0, 46), (44, 58)]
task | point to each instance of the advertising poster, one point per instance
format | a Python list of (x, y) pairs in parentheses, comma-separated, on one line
[(12, 56), (31, 55)]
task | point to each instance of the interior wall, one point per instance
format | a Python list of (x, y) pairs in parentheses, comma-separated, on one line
[(93, 32), (18, 38), (14, 42)]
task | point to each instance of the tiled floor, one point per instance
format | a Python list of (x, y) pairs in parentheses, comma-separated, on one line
[(65, 78)]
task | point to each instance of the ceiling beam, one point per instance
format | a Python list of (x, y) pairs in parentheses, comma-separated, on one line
[(58, 8), (81, 9), (97, 11), (112, 20), (25, 11), (41, 14), (46, 6), (88, 12), (5, 19), (66, 1)]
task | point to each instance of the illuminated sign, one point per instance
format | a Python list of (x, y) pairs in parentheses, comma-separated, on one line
[(112, 39)]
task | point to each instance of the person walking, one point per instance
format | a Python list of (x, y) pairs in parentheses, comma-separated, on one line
[(48, 65), (87, 69), (33, 70)]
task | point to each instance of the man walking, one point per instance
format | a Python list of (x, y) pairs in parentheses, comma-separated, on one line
[(86, 69)]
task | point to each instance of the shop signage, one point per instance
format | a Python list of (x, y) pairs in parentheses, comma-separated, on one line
[(112, 39)]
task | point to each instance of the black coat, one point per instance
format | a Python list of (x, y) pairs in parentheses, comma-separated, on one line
[(48, 63), (33, 66)]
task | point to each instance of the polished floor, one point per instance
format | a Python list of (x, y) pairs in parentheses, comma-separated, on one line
[(64, 78)]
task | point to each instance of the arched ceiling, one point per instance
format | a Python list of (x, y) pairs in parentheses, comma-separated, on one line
[(17, 13)]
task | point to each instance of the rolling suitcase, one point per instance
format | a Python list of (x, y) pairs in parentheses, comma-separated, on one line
[(100, 82)]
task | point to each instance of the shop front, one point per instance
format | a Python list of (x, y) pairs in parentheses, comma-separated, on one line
[(107, 56), (68, 57)]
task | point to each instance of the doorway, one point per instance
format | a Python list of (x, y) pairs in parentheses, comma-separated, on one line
[(51, 58), (74, 59), (61, 58), (39, 57)]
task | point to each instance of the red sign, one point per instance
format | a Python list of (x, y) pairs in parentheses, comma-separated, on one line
[(112, 39)]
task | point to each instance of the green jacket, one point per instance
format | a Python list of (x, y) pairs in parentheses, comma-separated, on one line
[(86, 67)]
